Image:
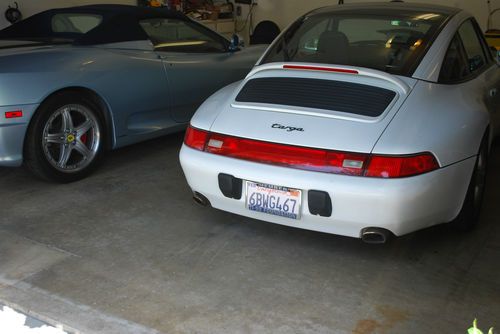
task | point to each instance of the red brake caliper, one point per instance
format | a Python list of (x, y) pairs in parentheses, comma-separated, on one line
[(83, 138)]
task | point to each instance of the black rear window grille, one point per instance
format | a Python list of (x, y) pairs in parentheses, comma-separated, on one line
[(338, 96)]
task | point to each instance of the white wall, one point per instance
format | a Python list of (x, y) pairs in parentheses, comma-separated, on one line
[(30, 7), (284, 12)]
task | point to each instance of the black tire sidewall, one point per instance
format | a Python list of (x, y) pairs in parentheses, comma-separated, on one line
[(35, 158), (468, 217)]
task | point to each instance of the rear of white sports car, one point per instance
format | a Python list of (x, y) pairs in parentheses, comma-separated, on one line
[(338, 148)]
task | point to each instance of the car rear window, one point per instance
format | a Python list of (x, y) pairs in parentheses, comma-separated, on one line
[(392, 43)]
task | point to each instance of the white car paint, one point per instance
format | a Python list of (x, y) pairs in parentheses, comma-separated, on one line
[(423, 117)]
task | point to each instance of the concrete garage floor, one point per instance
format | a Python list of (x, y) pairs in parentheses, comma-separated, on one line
[(127, 251)]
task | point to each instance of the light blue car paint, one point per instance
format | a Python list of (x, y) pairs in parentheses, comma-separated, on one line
[(147, 93)]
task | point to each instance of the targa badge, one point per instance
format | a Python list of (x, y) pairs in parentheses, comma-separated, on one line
[(286, 128)]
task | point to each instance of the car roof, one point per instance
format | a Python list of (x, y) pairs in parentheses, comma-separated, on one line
[(391, 7), (120, 23), (115, 9)]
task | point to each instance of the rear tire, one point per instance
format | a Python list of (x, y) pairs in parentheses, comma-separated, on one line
[(468, 217), (65, 140)]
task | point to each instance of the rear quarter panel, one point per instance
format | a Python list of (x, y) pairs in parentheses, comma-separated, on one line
[(447, 120)]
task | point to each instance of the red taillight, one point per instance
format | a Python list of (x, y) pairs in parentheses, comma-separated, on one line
[(14, 114), (286, 155), (313, 159), (195, 138), (403, 166)]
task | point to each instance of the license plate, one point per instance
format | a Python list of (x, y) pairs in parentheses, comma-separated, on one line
[(274, 200)]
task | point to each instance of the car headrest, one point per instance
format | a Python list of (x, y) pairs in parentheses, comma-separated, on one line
[(329, 41)]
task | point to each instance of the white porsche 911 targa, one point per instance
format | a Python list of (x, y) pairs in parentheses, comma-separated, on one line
[(363, 120)]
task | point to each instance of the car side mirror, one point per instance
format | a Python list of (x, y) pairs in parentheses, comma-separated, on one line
[(312, 44), (236, 43), (475, 63)]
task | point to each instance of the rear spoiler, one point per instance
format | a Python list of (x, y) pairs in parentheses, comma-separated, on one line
[(334, 69)]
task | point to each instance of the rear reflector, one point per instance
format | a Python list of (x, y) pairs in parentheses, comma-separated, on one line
[(284, 155), (14, 114), (313, 159)]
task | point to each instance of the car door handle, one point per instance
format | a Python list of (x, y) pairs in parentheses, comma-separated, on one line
[(493, 92)]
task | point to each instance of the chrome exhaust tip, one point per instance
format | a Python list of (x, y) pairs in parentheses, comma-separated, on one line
[(200, 199), (375, 235)]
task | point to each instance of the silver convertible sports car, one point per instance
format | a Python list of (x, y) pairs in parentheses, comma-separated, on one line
[(363, 120), (75, 82)]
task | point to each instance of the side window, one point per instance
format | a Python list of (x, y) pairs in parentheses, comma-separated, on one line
[(181, 36), (476, 57), (75, 23), (455, 66)]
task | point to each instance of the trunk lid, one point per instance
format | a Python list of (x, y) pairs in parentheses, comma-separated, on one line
[(330, 107)]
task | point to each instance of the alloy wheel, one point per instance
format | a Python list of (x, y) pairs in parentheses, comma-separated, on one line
[(71, 138)]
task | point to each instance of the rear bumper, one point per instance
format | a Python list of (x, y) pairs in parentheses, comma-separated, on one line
[(12, 134), (398, 205)]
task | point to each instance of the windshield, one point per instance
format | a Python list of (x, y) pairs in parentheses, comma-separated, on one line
[(392, 43), (174, 35)]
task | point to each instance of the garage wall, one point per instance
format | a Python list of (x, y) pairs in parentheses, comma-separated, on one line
[(30, 7), (283, 12)]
